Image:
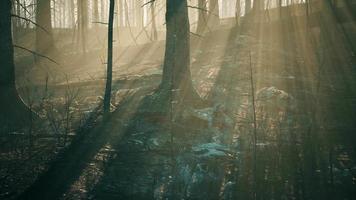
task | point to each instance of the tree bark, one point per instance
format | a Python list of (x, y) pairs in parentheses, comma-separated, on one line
[(107, 96), (176, 68), (13, 111)]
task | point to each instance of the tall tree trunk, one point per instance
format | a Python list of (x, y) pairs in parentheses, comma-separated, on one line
[(121, 13), (12, 110), (237, 12), (139, 15), (44, 39), (83, 24), (202, 16), (154, 27), (214, 20), (107, 96), (176, 68)]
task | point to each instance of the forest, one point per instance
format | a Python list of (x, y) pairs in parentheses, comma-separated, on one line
[(178, 99)]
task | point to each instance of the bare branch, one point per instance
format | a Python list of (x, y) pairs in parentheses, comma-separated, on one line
[(35, 53), (32, 22), (195, 34), (23, 7), (202, 9), (152, 1), (104, 23)]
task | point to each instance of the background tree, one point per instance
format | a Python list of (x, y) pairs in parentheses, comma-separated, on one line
[(247, 6), (214, 19), (202, 16), (153, 17), (44, 37)]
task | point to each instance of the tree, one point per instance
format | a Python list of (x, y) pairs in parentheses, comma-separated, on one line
[(139, 15), (176, 67), (82, 22), (247, 6), (96, 12), (12, 109), (202, 16), (214, 20), (44, 37), (237, 12), (107, 96), (153, 17), (258, 5)]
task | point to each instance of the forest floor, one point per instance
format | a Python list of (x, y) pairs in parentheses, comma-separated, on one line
[(131, 156)]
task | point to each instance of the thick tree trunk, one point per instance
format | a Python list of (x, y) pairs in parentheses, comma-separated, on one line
[(107, 96), (176, 69), (13, 111), (44, 38), (202, 17)]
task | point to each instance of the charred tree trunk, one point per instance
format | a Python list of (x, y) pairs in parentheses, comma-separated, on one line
[(176, 69), (202, 16), (44, 38), (13, 111), (107, 96)]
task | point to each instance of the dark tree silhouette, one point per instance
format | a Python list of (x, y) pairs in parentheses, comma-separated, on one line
[(107, 96), (13, 111)]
